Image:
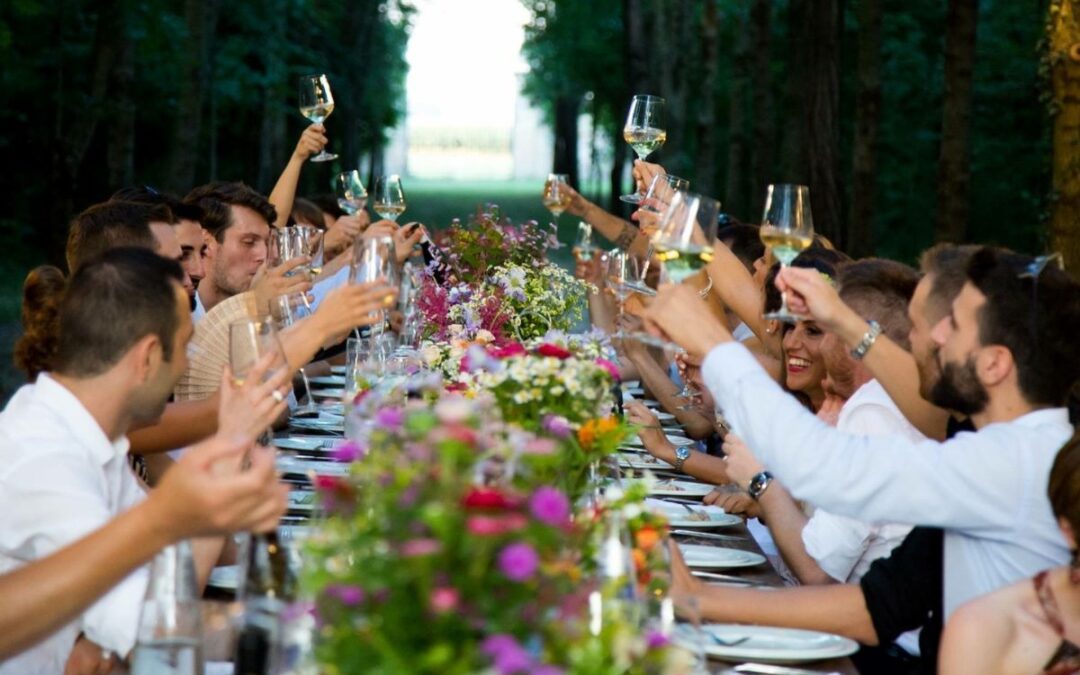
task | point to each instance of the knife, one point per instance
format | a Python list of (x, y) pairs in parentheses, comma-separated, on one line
[(725, 577), (708, 535), (766, 669)]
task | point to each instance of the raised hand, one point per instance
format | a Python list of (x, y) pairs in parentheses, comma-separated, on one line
[(271, 283), (741, 463), (681, 316), (352, 305), (405, 238), (644, 172), (311, 142), (344, 232), (247, 410), (652, 436), (810, 295)]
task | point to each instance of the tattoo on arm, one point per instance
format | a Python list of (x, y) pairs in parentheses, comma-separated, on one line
[(626, 237)]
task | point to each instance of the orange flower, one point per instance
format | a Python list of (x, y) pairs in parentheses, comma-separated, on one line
[(639, 559), (593, 429), (647, 538)]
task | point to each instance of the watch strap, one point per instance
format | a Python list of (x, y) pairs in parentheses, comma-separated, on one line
[(758, 484)]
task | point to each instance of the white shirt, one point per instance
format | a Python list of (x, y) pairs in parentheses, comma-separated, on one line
[(200, 310), (845, 547), (986, 489), (324, 286), (60, 479)]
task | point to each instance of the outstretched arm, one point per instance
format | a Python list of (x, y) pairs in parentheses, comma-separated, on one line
[(311, 141)]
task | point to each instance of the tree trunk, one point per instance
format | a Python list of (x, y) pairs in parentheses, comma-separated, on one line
[(120, 152), (762, 156), (1064, 45), (566, 137), (954, 162), (867, 125), (738, 139), (616, 183), (822, 114), (706, 163), (272, 142), (793, 133), (201, 20)]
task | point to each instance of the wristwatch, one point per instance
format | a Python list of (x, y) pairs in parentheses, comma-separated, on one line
[(682, 453), (758, 484)]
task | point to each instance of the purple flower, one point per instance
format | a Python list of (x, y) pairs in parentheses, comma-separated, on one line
[(349, 451), (557, 426), (345, 594), (509, 657), (549, 505), (389, 418), (518, 562), (612, 369), (546, 670), (656, 640)]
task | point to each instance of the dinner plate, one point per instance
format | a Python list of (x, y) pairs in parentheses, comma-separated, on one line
[(304, 443), (339, 370), (674, 438), (766, 644), (718, 558), (329, 425), (692, 516), (293, 465), (328, 393), (679, 488), (226, 577), (641, 462), (333, 380)]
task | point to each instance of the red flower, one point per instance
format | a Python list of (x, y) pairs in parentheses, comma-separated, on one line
[(508, 350), (548, 349), (491, 526), (456, 386), (487, 498), (612, 369)]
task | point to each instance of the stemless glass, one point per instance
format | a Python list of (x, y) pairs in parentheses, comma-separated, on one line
[(389, 197), (249, 341), (352, 196), (556, 199), (583, 246), (316, 104), (645, 131), (686, 234), (374, 259), (787, 228)]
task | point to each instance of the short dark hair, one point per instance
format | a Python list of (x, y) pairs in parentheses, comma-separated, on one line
[(946, 265), (745, 241), (309, 211), (880, 290), (144, 194), (112, 302), (112, 224), (1036, 318), (328, 203), (1063, 488), (215, 199)]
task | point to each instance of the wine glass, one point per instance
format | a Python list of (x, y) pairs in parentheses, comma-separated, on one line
[(787, 228), (686, 234), (307, 240), (661, 191), (249, 341), (583, 246), (278, 250), (644, 130), (316, 104), (374, 259), (352, 196), (556, 199), (622, 271), (291, 309), (389, 197)]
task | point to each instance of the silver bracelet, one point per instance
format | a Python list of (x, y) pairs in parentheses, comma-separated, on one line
[(867, 341), (704, 293)]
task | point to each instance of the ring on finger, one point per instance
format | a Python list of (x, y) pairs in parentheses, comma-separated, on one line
[(277, 396)]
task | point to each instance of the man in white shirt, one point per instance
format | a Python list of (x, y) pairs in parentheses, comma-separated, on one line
[(124, 325), (1008, 360)]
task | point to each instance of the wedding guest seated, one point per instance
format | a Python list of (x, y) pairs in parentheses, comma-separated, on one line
[(195, 499), (123, 329), (1031, 626), (1008, 361)]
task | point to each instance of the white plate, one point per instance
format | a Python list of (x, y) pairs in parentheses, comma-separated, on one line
[(292, 465), (320, 423), (328, 393), (339, 370), (642, 462), (680, 488), (694, 517), (333, 380), (776, 645), (664, 416), (674, 438), (302, 443), (704, 557), (226, 577)]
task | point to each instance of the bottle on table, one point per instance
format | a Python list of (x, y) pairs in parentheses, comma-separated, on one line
[(267, 587), (170, 624)]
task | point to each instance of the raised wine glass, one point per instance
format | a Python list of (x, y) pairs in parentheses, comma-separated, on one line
[(249, 341), (622, 272), (686, 234), (583, 245), (645, 131), (316, 104), (556, 198), (787, 228), (352, 196), (374, 259), (389, 197)]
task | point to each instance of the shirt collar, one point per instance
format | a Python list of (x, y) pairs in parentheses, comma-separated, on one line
[(1037, 418), (82, 424)]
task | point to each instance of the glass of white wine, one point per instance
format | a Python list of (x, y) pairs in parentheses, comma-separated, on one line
[(389, 197), (352, 196), (645, 131), (556, 198), (623, 272), (249, 341), (787, 228), (316, 104), (686, 234), (583, 245)]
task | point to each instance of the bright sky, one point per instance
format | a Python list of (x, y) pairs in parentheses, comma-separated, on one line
[(464, 57)]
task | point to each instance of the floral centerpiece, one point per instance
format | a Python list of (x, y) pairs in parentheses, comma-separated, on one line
[(419, 567)]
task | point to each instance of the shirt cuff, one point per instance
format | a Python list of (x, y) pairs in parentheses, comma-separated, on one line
[(724, 365)]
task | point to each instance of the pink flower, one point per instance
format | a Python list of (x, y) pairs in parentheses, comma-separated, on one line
[(492, 526), (550, 506), (390, 419), (656, 640), (557, 425), (346, 594), (508, 350), (444, 599), (508, 655), (349, 451), (612, 369), (540, 446), (548, 349), (487, 498), (518, 562), (419, 547)]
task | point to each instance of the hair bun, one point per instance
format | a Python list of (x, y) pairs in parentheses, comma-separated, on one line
[(36, 348)]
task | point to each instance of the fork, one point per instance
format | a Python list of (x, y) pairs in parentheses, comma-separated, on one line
[(728, 643)]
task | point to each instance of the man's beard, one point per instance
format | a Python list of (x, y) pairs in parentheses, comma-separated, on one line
[(959, 389)]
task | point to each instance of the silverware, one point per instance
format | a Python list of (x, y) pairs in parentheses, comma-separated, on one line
[(768, 669), (708, 535), (734, 642), (681, 500), (725, 577)]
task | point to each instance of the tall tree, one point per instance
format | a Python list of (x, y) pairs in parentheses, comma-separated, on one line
[(954, 161), (705, 123), (738, 122), (1063, 42), (864, 179), (822, 117), (762, 155), (200, 21)]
